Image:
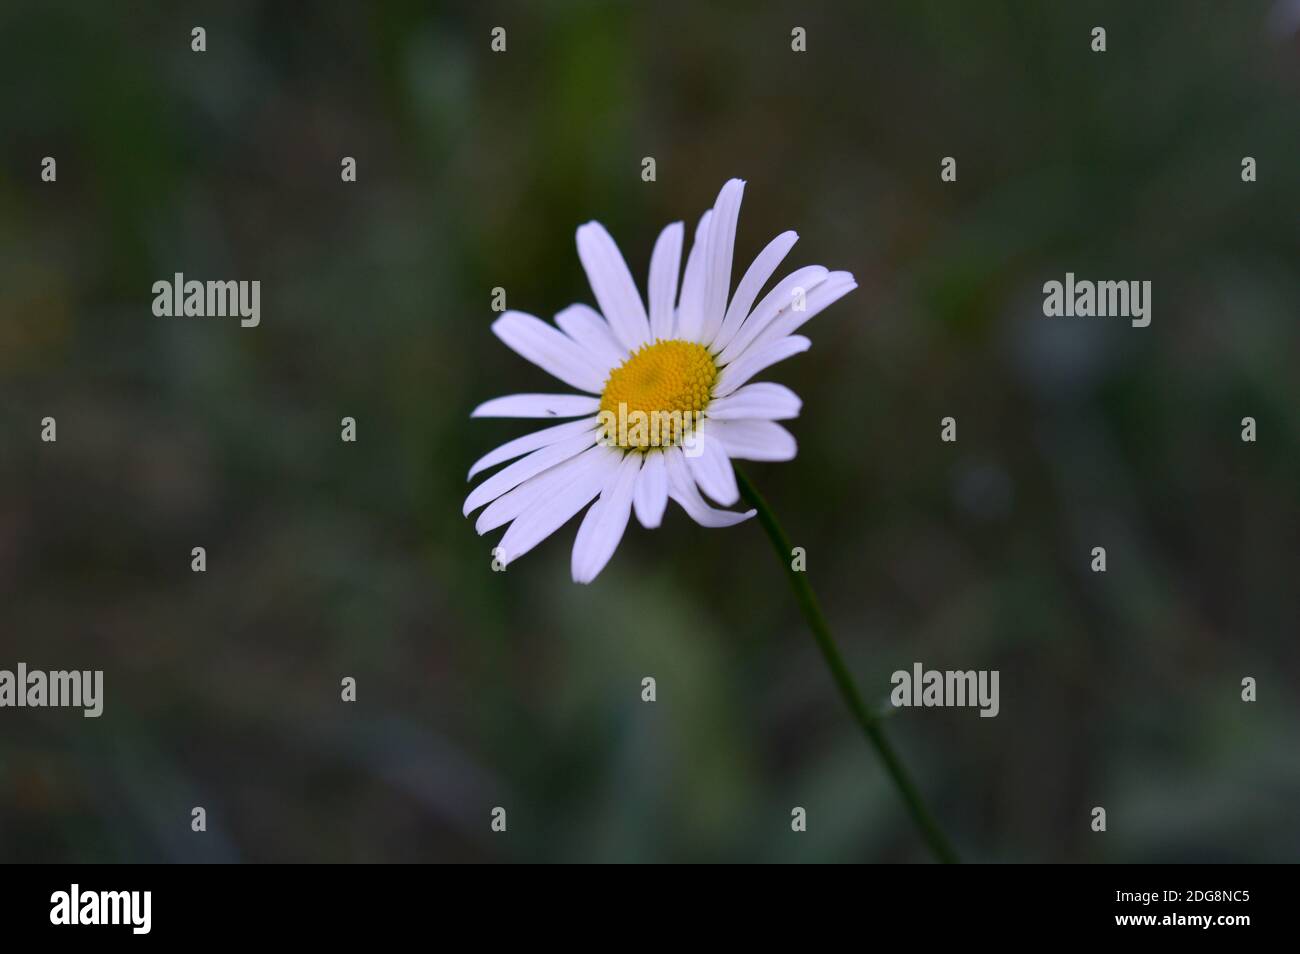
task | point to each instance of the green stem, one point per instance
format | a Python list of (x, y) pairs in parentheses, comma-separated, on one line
[(868, 720)]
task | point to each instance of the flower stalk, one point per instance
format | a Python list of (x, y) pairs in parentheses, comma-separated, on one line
[(867, 720)]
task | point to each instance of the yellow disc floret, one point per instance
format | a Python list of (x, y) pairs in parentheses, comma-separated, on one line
[(656, 396)]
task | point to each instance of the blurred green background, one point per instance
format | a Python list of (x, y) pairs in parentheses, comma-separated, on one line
[(520, 689)]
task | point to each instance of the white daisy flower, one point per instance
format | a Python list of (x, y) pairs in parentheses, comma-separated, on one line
[(667, 402)]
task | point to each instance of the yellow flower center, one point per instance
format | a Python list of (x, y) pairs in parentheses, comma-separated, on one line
[(655, 397)]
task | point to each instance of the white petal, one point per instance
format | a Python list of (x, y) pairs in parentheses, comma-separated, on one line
[(690, 306), (612, 285), (721, 247), (765, 311), (711, 467), (755, 440), (681, 487), (584, 325), (603, 527), (550, 350), (529, 442), (751, 284), (765, 400), (557, 508), (755, 360), (508, 506), (835, 287), (651, 494), (539, 460), (665, 266), (538, 405)]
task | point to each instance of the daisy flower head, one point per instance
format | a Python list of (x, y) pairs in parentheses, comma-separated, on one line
[(667, 396)]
